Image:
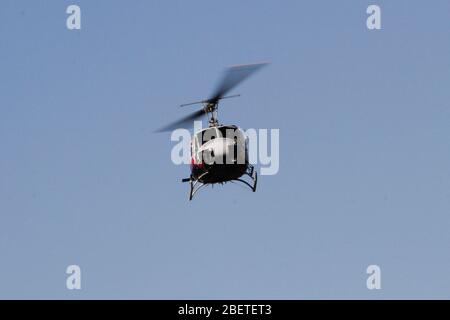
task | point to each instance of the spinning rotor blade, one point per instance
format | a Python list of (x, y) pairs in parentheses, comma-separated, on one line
[(185, 122), (232, 77)]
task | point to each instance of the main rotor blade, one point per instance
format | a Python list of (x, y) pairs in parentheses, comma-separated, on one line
[(232, 77), (185, 122)]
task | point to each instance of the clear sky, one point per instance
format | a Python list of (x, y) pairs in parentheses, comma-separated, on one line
[(364, 150)]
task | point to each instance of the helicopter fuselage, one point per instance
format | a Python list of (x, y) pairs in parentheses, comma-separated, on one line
[(219, 154)]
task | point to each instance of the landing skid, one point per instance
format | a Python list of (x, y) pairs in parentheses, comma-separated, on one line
[(196, 185)]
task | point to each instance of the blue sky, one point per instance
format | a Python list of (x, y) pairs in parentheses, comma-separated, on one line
[(364, 150)]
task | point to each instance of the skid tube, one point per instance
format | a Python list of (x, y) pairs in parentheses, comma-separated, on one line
[(196, 185)]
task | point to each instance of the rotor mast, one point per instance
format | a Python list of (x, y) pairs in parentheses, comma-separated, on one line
[(212, 110)]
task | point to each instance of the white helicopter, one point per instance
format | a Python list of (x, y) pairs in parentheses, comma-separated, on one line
[(219, 153)]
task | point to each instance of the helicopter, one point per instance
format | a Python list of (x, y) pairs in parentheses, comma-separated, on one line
[(219, 153)]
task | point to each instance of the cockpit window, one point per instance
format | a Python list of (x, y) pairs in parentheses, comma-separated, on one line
[(228, 132), (223, 131), (206, 135)]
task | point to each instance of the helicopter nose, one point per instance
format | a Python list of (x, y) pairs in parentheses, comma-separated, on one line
[(222, 152)]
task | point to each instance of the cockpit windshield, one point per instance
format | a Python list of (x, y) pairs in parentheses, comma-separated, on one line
[(227, 131), (206, 135)]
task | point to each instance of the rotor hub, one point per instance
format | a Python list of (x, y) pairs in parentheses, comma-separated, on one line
[(211, 110)]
